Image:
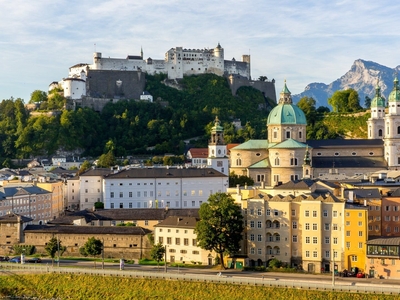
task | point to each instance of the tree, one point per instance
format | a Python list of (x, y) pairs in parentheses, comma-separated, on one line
[(38, 96), (86, 165), (106, 160), (221, 225), (52, 248), (345, 101), (307, 105), (263, 78), (242, 180), (92, 247), (367, 102), (157, 253)]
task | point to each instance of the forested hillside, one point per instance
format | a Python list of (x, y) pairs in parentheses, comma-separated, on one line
[(135, 126)]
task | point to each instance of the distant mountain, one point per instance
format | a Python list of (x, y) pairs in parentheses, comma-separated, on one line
[(361, 77)]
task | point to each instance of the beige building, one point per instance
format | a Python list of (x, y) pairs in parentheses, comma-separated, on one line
[(11, 231), (129, 242), (178, 236)]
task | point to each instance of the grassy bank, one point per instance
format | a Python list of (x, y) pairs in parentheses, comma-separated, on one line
[(96, 287)]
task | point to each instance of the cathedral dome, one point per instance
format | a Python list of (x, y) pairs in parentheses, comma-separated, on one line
[(286, 112), (378, 100), (394, 95)]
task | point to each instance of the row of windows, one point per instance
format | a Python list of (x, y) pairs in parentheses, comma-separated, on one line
[(269, 251), (177, 241), (159, 194), (288, 134), (327, 254), (156, 203)]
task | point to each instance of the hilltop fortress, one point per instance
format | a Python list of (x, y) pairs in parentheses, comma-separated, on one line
[(110, 79)]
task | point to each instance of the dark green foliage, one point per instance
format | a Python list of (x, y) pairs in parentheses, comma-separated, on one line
[(126, 224), (221, 225), (274, 263), (345, 101), (133, 126), (24, 249), (92, 247), (234, 180), (99, 205), (157, 252), (38, 96)]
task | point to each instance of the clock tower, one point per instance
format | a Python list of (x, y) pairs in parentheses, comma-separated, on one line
[(217, 151)]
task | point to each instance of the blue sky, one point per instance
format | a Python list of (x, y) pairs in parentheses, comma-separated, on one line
[(300, 41)]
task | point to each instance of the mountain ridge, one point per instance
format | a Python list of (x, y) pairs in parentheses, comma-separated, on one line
[(362, 77)]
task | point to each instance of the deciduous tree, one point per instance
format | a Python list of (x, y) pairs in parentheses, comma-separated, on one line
[(157, 253), (221, 225), (92, 247)]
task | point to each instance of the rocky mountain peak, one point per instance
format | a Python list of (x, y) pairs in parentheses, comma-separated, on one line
[(362, 77)]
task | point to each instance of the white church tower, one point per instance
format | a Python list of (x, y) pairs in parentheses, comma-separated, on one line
[(217, 150), (392, 128), (376, 123)]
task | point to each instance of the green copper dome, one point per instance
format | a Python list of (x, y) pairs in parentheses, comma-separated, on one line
[(394, 95), (378, 100), (286, 112)]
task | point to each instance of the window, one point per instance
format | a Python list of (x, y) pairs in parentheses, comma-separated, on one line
[(169, 240), (252, 224), (315, 254), (360, 245), (252, 250), (307, 253), (112, 205), (314, 226), (334, 213), (276, 213), (259, 238), (293, 161), (327, 254), (277, 163), (307, 213), (177, 241), (294, 238), (259, 224), (307, 239), (354, 258), (335, 240), (112, 194), (259, 251), (360, 223), (314, 213), (315, 240), (334, 227), (259, 212), (326, 226), (307, 226), (252, 237), (348, 233), (293, 212), (335, 254), (160, 239), (194, 242), (360, 233), (348, 245), (268, 212), (288, 134), (327, 240), (325, 213), (294, 225)]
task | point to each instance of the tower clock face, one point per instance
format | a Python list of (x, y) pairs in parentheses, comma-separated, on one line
[(219, 151)]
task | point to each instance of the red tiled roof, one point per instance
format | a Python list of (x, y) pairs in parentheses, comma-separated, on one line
[(198, 152)]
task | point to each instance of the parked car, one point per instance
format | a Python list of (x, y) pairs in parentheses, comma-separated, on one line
[(4, 258), (16, 259), (34, 260), (360, 275)]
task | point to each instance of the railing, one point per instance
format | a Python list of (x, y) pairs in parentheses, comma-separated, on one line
[(355, 287)]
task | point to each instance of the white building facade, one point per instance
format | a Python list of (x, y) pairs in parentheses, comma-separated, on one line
[(162, 187)]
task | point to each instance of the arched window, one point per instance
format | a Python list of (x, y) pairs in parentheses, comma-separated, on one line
[(277, 237), (276, 161), (288, 134), (380, 132), (276, 224), (277, 251), (269, 250), (293, 161), (398, 129), (307, 172), (269, 224), (239, 162), (300, 134), (269, 237)]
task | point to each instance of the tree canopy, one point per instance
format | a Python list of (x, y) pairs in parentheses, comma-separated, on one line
[(157, 253), (53, 246), (242, 180), (92, 247), (346, 101), (221, 225)]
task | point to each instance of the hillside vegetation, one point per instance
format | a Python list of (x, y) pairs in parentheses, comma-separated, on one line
[(55, 286), (135, 126)]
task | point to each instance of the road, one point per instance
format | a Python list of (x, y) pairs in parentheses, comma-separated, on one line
[(227, 273)]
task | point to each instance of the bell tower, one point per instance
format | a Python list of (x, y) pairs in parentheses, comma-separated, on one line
[(217, 151)]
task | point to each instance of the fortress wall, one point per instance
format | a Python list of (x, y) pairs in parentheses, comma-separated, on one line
[(115, 84)]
